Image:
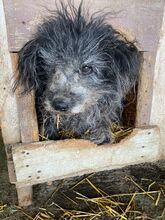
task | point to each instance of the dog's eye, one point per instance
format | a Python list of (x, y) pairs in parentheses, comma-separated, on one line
[(87, 69)]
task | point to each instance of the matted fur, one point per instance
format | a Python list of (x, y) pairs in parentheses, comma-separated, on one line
[(81, 69)]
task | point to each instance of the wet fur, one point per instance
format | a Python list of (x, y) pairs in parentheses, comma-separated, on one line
[(52, 65)]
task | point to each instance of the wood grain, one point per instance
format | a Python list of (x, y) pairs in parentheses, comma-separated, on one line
[(28, 118), (158, 98), (26, 112), (25, 195), (138, 19), (28, 131), (8, 105), (45, 161)]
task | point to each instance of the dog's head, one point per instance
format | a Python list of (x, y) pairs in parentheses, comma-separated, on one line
[(74, 62)]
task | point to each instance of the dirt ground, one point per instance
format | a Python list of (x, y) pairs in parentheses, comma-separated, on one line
[(134, 192)]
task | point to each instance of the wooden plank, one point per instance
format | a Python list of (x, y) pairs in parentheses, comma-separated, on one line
[(145, 85), (10, 164), (25, 195), (4, 62), (27, 113), (158, 99), (8, 106), (140, 19), (10, 123), (28, 119), (145, 92), (29, 133), (27, 14), (45, 161)]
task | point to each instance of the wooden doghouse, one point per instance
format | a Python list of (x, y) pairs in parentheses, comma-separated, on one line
[(30, 161)]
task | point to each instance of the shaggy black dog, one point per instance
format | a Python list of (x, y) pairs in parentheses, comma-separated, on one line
[(81, 69)]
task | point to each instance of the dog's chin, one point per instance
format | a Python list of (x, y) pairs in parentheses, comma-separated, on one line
[(77, 109)]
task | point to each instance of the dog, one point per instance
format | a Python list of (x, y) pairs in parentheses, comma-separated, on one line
[(81, 69)]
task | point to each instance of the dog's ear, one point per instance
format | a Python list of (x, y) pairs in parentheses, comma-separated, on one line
[(28, 66), (127, 60)]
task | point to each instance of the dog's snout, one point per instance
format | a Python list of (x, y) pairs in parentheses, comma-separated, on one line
[(60, 104)]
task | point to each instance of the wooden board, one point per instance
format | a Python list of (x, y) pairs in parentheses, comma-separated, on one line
[(140, 19), (46, 161), (9, 120), (26, 112), (158, 99), (28, 119), (28, 131), (8, 105), (4, 62), (145, 86)]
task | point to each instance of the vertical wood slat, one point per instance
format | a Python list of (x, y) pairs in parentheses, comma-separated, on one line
[(145, 32), (28, 119), (28, 131), (145, 91), (27, 112), (14, 119), (25, 195), (9, 112), (151, 91), (158, 99)]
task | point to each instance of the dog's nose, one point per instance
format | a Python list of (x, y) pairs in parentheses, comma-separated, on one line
[(60, 104)]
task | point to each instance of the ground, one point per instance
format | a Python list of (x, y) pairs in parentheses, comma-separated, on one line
[(134, 192)]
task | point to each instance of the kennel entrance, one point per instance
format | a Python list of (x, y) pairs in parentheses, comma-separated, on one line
[(30, 161)]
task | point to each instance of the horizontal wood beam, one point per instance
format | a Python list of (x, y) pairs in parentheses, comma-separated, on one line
[(50, 160), (137, 19)]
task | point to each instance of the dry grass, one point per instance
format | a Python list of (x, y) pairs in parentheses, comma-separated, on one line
[(113, 205), (117, 206)]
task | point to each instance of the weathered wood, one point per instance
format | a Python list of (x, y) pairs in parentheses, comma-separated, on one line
[(26, 112), (25, 195), (144, 31), (29, 132), (8, 106), (158, 98), (9, 116), (10, 164), (4, 62), (45, 161), (140, 19), (28, 119), (145, 92)]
